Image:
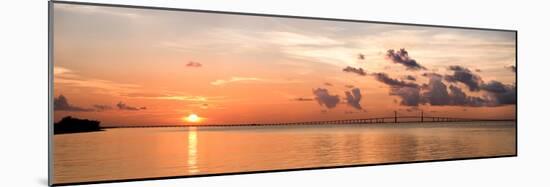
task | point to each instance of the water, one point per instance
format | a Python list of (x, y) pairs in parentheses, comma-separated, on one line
[(159, 152)]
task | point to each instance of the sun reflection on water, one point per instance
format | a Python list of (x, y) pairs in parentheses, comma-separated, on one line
[(192, 150)]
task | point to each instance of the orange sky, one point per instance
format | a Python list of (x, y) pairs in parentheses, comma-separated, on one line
[(127, 66)]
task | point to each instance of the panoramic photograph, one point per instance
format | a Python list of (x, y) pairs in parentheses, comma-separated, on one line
[(149, 93)]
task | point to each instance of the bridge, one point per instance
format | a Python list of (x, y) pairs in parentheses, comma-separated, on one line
[(379, 120)]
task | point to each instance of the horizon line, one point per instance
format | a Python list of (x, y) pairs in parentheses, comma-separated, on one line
[(382, 120)]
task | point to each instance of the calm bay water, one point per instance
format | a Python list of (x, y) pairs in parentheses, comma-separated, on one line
[(159, 152)]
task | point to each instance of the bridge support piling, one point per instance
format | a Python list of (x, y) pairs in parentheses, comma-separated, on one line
[(395, 116)]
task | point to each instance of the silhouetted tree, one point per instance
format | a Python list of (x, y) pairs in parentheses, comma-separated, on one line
[(73, 125)]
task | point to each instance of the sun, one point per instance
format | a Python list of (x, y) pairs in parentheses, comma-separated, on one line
[(193, 118)]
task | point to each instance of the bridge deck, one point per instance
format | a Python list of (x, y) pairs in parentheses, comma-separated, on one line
[(387, 120)]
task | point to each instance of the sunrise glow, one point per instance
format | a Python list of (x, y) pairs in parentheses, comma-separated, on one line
[(193, 118)]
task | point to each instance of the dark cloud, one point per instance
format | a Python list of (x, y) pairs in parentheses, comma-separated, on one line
[(501, 94), (62, 104), (497, 93), (436, 93), (495, 87), (361, 56), (353, 98), (193, 64), (358, 71), (384, 78), (123, 106), (511, 68), (465, 76), (324, 98), (102, 107), (429, 75), (302, 99), (408, 92), (410, 78), (402, 57), (410, 96), (327, 84), (458, 97), (478, 70), (349, 86)]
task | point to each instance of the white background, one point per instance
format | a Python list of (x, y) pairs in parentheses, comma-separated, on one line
[(23, 94)]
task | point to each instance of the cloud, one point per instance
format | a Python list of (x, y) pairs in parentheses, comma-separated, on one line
[(102, 107), (498, 94), (361, 56), (501, 94), (349, 86), (434, 93), (402, 57), (437, 92), (308, 46), (299, 39), (181, 98), (458, 97), (384, 78), (495, 87), (358, 71), (302, 99), (327, 84), (511, 68), (71, 78), (62, 104), (324, 98), (408, 92), (220, 82), (193, 64), (123, 106), (465, 76), (410, 78), (429, 75), (234, 79), (410, 96), (172, 95), (353, 98)]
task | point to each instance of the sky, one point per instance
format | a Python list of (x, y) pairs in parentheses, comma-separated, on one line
[(127, 66)]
